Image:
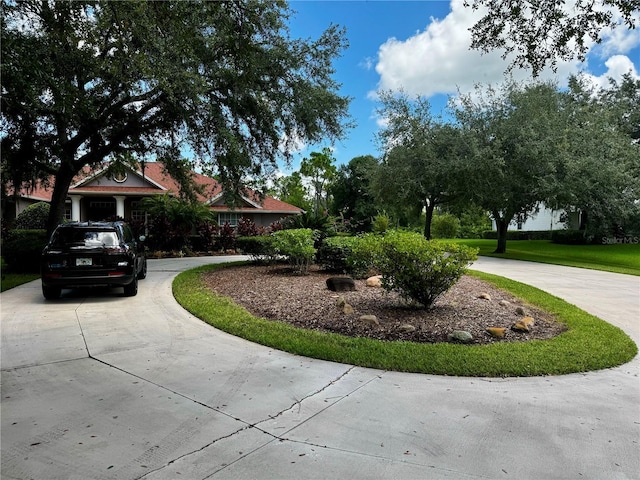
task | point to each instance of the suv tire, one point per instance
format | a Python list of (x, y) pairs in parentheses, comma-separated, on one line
[(51, 293), (143, 271), (131, 290)]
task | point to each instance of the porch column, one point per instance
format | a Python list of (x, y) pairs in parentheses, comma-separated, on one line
[(119, 205), (75, 207)]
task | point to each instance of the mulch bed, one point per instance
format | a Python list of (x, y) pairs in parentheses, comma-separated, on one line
[(275, 293)]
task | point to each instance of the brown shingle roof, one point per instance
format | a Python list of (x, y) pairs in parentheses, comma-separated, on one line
[(160, 183)]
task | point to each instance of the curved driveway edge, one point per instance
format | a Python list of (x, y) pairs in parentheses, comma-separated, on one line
[(100, 386)]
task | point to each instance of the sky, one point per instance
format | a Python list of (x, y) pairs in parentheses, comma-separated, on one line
[(422, 48)]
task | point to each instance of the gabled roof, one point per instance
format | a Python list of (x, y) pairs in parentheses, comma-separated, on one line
[(153, 180)]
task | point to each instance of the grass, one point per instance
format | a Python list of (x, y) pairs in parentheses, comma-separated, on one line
[(11, 280), (618, 258), (588, 344)]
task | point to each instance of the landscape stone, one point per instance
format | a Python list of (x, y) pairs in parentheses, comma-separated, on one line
[(371, 320), (497, 332), (406, 328), (520, 326), (341, 284), (460, 336), (505, 303), (375, 281), (340, 302), (347, 309), (485, 296), (521, 311), (528, 321)]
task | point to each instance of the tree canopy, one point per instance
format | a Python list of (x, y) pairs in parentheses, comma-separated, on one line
[(353, 198), (423, 156), (541, 32), (89, 81)]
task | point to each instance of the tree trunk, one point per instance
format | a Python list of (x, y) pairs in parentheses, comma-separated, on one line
[(502, 225), (63, 180), (429, 216)]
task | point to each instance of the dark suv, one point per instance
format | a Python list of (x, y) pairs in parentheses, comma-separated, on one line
[(92, 254)]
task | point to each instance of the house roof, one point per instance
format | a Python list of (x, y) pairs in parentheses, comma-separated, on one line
[(154, 180)]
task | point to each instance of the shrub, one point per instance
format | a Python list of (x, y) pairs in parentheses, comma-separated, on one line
[(207, 231), (380, 223), (571, 237), (334, 252), (520, 235), (227, 237), (297, 245), (247, 228), (259, 248), (34, 217), (445, 226), (21, 250), (419, 269), (365, 255)]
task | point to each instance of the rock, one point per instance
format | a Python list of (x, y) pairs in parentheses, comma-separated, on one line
[(406, 328), (340, 302), (460, 336), (347, 309), (529, 321), (485, 296), (370, 320), (521, 311), (520, 326), (341, 284), (497, 332), (505, 303), (375, 281)]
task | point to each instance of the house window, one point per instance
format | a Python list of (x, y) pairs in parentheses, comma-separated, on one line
[(137, 214), (230, 218)]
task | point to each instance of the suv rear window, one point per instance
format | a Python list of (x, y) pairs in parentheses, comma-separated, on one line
[(76, 237)]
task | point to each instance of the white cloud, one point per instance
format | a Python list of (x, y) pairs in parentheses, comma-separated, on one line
[(438, 60), (620, 40), (617, 66)]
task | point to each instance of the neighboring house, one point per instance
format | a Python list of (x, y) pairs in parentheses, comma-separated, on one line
[(95, 195), (545, 219)]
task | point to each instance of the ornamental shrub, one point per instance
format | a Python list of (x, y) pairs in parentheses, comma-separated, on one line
[(365, 255), (297, 246), (247, 228), (21, 249), (334, 252), (445, 226), (421, 270), (227, 237), (260, 248), (34, 217)]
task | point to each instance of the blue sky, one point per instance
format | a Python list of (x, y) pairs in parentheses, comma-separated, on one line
[(422, 47)]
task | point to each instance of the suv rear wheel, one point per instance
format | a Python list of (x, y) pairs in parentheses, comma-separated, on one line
[(131, 289), (51, 293), (143, 271)]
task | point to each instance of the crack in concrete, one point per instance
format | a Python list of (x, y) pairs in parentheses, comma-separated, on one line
[(312, 394)]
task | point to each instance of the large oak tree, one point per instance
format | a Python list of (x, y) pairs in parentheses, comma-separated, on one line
[(422, 159), (88, 81), (541, 32)]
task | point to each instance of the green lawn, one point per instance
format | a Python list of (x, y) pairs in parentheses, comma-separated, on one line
[(588, 344), (619, 258)]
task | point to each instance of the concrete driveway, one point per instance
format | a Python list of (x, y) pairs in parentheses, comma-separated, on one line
[(100, 386)]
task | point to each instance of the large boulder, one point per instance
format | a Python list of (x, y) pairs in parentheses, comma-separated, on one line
[(460, 336), (341, 284)]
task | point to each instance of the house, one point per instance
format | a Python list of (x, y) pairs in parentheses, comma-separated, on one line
[(97, 195), (545, 219)]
